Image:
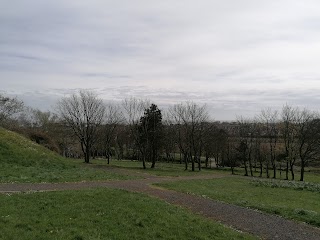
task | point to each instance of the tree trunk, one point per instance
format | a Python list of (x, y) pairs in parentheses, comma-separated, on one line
[(245, 165), (87, 156), (153, 159), (185, 161), (274, 170), (144, 161), (287, 169), (192, 163), (302, 170), (86, 152), (245, 169), (199, 163), (292, 172), (250, 167), (207, 160), (255, 164), (280, 169), (216, 159)]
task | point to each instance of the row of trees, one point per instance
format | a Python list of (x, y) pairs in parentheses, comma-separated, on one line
[(274, 139), (86, 115), (268, 141), (271, 143)]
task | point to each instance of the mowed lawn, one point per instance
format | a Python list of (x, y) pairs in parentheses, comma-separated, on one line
[(117, 214), (102, 214), (287, 200), (161, 168)]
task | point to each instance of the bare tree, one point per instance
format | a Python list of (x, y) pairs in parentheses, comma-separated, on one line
[(175, 115), (9, 106), (133, 110), (170, 138), (35, 122), (83, 113), (271, 126), (231, 153), (308, 138), (259, 148), (190, 118), (113, 118), (246, 140), (210, 142), (218, 141), (289, 135), (120, 140), (37, 119)]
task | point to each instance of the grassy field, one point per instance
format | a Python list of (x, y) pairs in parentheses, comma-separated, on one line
[(102, 214), (22, 160), (116, 214), (176, 169), (161, 169), (311, 174), (288, 200)]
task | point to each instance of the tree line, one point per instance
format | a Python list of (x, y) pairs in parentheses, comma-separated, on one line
[(273, 143)]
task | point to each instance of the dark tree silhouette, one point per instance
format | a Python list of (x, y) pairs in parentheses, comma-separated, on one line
[(150, 129)]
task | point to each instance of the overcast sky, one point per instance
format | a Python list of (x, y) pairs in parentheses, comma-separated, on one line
[(237, 56)]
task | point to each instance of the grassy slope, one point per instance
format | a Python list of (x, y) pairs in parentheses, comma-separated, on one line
[(102, 214), (22, 160), (296, 204)]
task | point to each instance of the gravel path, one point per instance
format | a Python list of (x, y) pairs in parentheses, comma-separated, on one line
[(263, 225)]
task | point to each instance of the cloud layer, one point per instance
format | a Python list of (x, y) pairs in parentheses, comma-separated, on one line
[(235, 56)]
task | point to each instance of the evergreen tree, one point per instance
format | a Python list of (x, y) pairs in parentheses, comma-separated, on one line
[(150, 129)]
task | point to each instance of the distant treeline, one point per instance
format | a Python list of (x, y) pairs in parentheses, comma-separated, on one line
[(83, 126)]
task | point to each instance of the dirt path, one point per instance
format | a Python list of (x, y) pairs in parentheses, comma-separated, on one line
[(263, 225)]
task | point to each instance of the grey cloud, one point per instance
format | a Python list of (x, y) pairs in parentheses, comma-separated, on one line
[(104, 75), (222, 105), (235, 56)]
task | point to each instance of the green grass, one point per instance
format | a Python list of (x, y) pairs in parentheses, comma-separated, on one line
[(102, 214), (161, 168), (311, 174), (296, 185), (176, 169), (22, 160), (290, 202)]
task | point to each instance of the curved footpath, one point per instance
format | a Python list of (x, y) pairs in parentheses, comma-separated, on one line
[(265, 226)]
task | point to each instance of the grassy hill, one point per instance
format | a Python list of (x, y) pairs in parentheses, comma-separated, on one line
[(18, 150), (22, 160)]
